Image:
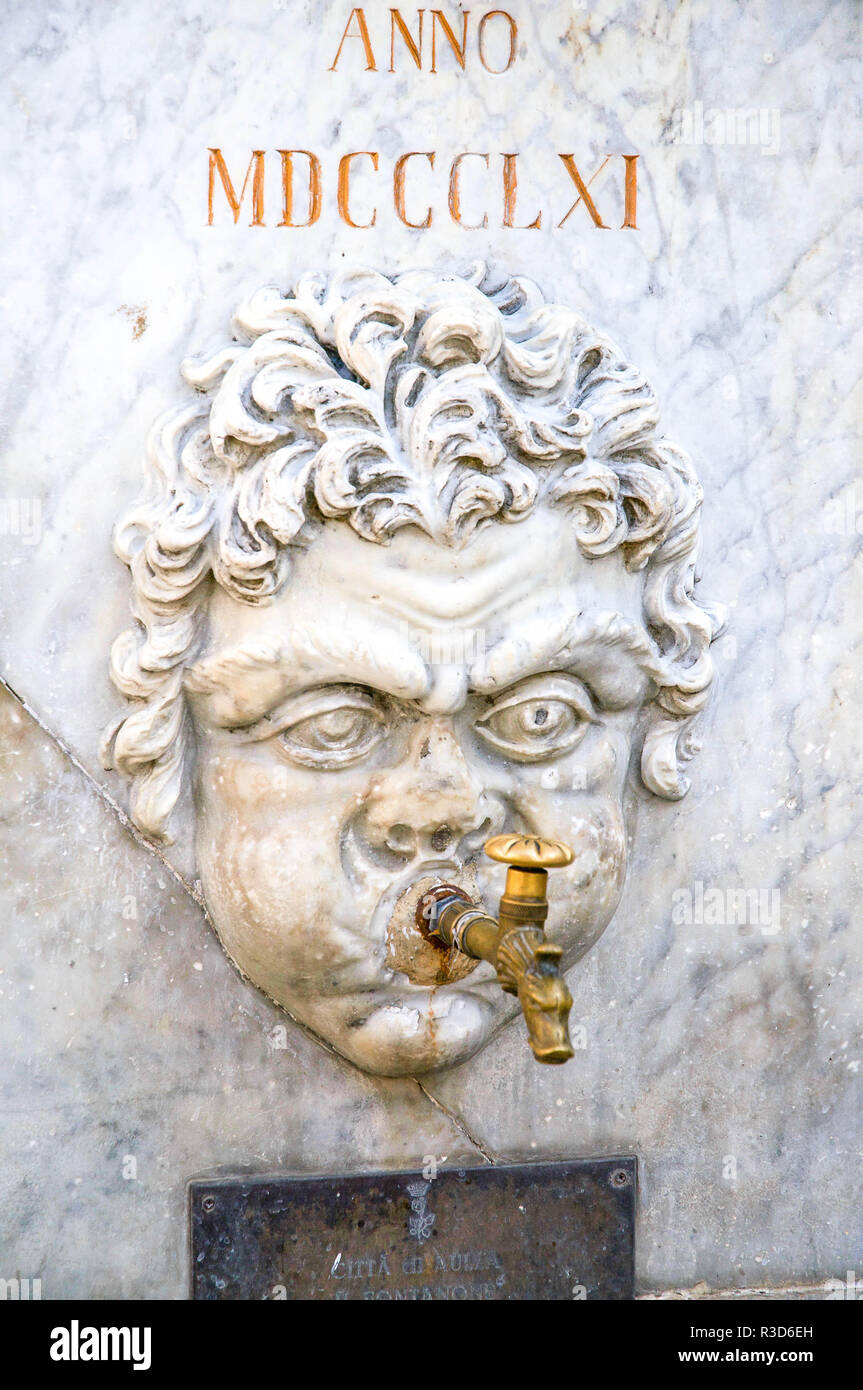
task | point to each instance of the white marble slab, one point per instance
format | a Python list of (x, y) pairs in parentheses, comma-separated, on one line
[(739, 297)]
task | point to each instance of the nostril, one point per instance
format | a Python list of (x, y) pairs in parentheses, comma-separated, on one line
[(400, 838), (441, 839)]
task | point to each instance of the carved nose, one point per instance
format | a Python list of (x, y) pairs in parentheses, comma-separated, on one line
[(431, 801), (404, 839)]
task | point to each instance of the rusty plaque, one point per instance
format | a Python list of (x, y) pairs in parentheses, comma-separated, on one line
[(527, 1231)]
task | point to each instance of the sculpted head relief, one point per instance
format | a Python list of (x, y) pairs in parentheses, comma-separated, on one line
[(413, 568)]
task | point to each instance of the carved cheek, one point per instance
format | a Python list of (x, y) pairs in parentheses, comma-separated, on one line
[(582, 806), (270, 869), (599, 843), (591, 824), (261, 788), (275, 896), (596, 770), (583, 898), (268, 843), (249, 786)]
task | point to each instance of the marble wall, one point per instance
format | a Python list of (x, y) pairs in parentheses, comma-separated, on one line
[(726, 1055)]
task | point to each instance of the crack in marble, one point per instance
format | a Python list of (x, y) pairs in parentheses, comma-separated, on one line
[(147, 845), (103, 794), (127, 824), (459, 1124)]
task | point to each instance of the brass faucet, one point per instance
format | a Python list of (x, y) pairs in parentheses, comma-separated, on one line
[(527, 965)]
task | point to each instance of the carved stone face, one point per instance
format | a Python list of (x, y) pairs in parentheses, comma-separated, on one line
[(393, 708), (414, 558)]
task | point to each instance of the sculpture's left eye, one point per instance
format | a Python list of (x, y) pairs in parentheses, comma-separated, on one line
[(342, 732), (542, 718)]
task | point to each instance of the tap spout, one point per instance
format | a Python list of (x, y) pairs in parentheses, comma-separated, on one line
[(527, 965)]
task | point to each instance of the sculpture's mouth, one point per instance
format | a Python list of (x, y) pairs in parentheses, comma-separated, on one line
[(410, 952)]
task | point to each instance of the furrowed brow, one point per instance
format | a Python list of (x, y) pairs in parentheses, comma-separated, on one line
[(604, 647), (299, 659)]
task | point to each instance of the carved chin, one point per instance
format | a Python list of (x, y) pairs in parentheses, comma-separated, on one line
[(417, 1029)]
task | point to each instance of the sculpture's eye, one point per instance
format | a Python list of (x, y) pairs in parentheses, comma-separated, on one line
[(342, 730), (544, 717)]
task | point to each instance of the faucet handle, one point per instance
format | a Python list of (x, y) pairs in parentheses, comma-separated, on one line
[(529, 852)]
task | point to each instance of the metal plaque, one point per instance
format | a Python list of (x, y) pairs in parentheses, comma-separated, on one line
[(527, 1231)]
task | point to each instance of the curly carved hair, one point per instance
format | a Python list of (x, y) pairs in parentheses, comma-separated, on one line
[(437, 401)]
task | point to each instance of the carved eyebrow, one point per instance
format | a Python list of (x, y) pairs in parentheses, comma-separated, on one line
[(384, 661), (580, 645), (222, 669), (305, 657)]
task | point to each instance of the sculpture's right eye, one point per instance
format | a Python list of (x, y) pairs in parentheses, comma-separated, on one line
[(334, 738), (341, 727)]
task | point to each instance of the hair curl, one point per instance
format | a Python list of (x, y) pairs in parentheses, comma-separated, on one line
[(421, 399)]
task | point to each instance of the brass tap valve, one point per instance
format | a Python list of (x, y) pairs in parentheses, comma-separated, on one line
[(527, 965)]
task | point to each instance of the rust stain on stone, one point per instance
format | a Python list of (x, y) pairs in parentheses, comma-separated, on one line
[(137, 316)]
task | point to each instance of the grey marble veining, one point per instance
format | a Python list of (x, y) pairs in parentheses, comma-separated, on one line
[(727, 1056), (135, 1058)]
